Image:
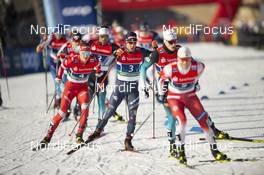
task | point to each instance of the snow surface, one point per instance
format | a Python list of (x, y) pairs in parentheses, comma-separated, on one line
[(240, 112)]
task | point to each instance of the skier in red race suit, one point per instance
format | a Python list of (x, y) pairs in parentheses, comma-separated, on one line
[(183, 75), (79, 67)]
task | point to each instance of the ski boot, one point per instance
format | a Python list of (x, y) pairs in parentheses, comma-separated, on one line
[(181, 155), (219, 156), (43, 144), (220, 134), (128, 144), (95, 134), (118, 117), (79, 138), (173, 150)]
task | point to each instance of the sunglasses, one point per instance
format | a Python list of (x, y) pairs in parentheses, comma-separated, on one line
[(103, 36), (172, 42), (185, 59), (131, 42), (85, 53)]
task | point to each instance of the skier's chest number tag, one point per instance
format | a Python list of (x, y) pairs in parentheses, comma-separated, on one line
[(129, 68)]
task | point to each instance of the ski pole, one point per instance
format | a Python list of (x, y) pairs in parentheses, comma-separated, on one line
[(4, 69), (153, 91), (126, 107), (44, 59), (100, 84), (146, 119), (95, 90), (51, 103)]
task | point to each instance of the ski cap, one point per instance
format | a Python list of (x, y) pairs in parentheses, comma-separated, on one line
[(76, 36), (119, 29), (103, 31), (184, 52), (169, 35), (131, 37)]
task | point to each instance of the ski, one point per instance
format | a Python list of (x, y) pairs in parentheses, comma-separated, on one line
[(83, 144), (230, 160), (40, 146), (239, 139), (122, 121), (134, 151)]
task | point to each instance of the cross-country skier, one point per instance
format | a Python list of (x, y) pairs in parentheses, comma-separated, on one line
[(54, 43), (162, 56), (68, 49), (79, 67), (183, 75), (129, 61), (145, 36), (103, 49), (119, 36)]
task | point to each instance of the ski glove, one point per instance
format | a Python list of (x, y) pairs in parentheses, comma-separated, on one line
[(119, 52), (58, 80), (146, 91), (197, 86), (161, 98), (154, 44)]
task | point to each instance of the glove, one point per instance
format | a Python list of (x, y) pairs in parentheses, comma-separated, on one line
[(161, 98), (197, 87), (61, 55), (146, 91), (57, 80), (99, 74), (98, 71), (119, 52), (154, 44)]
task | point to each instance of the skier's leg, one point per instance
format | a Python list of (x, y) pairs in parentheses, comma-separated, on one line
[(177, 109), (115, 100), (133, 102), (65, 103), (83, 98), (170, 124), (101, 103), (195, 107), (102, 95)]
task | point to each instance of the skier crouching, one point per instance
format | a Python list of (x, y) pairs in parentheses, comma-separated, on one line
[(79, 67), (183, 75)]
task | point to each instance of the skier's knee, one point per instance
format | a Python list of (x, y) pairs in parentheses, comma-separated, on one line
[(62, 114), (84, 106)]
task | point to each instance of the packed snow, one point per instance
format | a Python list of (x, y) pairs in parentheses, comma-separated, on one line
[(240, 111)]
